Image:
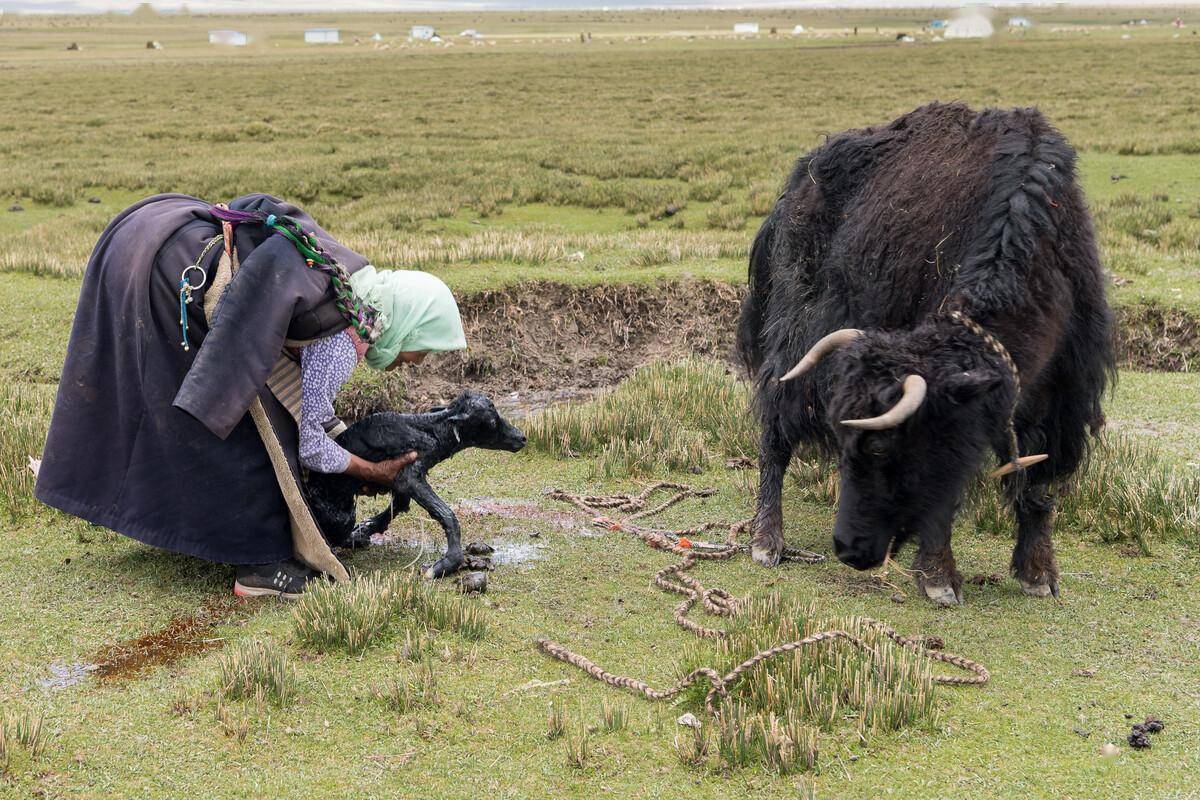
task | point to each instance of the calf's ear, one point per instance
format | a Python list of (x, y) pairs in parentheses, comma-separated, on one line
[(963, 387)]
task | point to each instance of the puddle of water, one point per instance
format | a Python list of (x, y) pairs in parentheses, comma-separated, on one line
[(183, 635), (515, 554), (64, 675)]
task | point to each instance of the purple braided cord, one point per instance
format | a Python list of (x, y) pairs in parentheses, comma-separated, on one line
[(237, 217)]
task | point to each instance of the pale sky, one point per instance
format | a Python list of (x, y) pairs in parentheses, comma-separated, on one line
[(281, 6)]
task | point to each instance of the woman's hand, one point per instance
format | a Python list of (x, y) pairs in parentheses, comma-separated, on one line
[(378, 475)]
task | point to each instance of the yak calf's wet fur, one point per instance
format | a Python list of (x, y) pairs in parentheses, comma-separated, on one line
[(887, 230), (470, 421)]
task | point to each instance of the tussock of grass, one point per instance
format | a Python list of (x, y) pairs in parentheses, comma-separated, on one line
[(258, 671), (1128, 492), (402, 696), (666, 416), (556, 721), (614, 716), (21, 735), (884, 688), (350, 616), (781, 744), (25, 410)]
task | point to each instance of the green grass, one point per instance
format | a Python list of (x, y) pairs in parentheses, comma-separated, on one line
[(426, 156)]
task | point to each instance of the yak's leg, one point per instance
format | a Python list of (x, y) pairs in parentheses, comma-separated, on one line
[(936, 573), (1033, 561), (766, 542), (937, 576), (362, 533), (453, 561)]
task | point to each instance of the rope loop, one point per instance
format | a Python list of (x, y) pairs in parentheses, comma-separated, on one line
[(717, 602)]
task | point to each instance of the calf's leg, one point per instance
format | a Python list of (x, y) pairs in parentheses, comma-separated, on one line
[(362, 533), (418, 489), (1033, 562)]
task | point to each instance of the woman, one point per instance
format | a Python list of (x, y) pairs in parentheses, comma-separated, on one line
[(175, 424)]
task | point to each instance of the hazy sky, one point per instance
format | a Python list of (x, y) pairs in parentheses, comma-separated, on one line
[(259, 6)]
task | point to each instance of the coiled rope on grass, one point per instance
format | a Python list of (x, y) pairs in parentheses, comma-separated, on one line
[(718, 602)]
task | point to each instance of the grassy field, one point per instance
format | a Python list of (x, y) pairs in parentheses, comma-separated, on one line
[(529, 155)]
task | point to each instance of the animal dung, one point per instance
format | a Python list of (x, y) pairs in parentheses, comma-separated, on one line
[(472, 582), (1139, 736), (479, 549), (1139, 739)]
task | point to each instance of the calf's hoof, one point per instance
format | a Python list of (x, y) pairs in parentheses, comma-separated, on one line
[(446, 565), (1040, 588), (942, 595)]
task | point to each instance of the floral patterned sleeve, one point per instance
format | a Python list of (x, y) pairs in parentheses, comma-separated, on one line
[(325, 366)]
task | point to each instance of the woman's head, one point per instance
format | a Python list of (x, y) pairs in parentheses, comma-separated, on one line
[(417, 315)]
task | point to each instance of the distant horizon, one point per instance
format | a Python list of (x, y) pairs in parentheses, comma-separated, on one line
[(249, 7)]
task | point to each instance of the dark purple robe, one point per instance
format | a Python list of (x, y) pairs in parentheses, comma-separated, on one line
[(154, 441)]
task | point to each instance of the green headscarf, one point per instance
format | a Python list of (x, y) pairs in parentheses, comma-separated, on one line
[(417, 312)]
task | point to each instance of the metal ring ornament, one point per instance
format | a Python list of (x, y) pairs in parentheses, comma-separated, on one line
[(183, 276)]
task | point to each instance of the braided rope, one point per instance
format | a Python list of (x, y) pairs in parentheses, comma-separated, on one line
[(363, 316), (717, 602), (998, 347)]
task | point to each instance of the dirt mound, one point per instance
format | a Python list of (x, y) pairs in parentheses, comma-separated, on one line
[(1153, 338), (540, 343)]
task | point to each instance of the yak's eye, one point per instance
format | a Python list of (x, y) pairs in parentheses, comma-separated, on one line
[(874, 446)]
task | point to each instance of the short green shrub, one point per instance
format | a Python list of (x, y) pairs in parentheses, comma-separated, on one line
[(350, 616), (26, 410), (1127, 491), (883, 688), (259, 671), (664, 417), (21, 734)]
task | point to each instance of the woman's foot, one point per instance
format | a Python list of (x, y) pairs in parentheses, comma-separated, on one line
[(286, 579)]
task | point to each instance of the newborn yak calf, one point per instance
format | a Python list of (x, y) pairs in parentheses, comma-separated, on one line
[(470, 421)]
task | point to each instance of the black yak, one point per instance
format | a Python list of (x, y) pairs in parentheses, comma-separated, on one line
[(902, 268), (470, 421)]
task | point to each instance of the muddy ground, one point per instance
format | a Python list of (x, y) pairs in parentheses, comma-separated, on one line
[(540, 343)]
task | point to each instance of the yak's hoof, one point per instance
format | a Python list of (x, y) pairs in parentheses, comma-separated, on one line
[(446, 565), (942, 595), (1039, 589), (767, 556)]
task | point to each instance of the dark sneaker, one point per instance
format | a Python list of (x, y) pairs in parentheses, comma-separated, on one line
[(286, 579)]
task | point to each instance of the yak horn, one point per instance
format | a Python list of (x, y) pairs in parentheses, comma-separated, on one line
[(906, 406), (824, 346), (1020, 463)]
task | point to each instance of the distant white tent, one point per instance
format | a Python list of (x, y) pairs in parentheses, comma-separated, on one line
[(745, 27), (228, 37), (1020, 22), (322, 36), (378, 37), (425, 32), (969, 26), (798, 29)]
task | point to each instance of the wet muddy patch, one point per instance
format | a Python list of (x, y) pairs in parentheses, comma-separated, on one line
[(183, 636)]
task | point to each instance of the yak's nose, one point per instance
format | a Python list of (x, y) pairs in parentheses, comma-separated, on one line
[(856, 554)]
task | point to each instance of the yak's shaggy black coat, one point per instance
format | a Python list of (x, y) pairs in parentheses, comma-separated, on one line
[(884, 229), (470, 421)]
